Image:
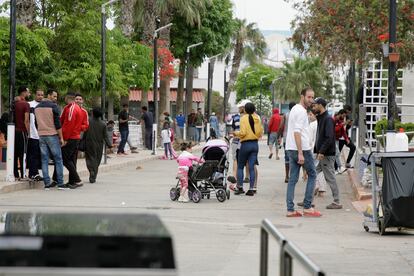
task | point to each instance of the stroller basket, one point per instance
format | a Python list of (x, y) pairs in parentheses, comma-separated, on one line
[(206, 170)]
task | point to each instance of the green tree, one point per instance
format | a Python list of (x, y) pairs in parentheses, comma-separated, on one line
[(215, 32), (301, 73), (31, 53), (248, 43), (253, 80), (352, 31), (263, 105)]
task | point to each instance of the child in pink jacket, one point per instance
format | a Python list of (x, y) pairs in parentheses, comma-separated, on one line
[(185, 162)]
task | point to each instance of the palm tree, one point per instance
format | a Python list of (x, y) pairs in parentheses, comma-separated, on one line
[(248, 44), (146, 13), (127, 17), (301, 73)]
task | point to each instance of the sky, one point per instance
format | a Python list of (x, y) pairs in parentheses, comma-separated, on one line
[(268, 14)]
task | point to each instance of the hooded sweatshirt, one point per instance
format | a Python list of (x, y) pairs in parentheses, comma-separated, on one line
[(246, 132), (274, 123)]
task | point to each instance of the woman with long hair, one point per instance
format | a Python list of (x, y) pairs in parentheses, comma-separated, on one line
[(251, 131)]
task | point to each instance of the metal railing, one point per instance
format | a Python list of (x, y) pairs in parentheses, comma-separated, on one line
[(288, 253)]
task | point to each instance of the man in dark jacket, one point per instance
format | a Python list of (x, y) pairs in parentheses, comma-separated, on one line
[(325, 149), (95, 138)]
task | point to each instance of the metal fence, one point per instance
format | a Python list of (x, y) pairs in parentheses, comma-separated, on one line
[(288, 253)]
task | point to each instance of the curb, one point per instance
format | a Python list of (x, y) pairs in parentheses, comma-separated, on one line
[(27, 185), (359, 192)]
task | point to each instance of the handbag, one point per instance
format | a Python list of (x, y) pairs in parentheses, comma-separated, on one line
[(82, 143)]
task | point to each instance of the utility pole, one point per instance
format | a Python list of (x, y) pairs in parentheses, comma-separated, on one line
[(392, 67)]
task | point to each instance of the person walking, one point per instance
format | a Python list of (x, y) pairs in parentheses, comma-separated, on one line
[(22, 122), (283, 132), (340, 133), (199, 119), (347, 142), (123, 127), (273, 128), (95, 138), (84, 120), (179, 122), (50, 139), (33, 148), (325, 149), (191, 125), (148, 120), (166, 140), (251, 131), (71, 120), (214, 124), (298, 146)]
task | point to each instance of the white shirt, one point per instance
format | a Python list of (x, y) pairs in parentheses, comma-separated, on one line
[(166, 136), (33, 129), (298, 122), (313, 129)]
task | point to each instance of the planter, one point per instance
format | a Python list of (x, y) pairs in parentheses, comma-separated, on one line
[(394, 57)]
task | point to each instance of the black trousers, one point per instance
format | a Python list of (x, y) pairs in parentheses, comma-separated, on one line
[(68, 155), (20, 148), (148, 138), (352, 149), (33, 157)]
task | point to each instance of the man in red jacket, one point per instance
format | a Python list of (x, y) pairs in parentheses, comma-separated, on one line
[(274, 126), (72, 125)]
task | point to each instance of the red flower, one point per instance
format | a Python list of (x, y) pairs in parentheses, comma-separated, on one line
[(384, 37)]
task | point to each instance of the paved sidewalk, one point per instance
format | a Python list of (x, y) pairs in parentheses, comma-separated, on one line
[(114, 162)]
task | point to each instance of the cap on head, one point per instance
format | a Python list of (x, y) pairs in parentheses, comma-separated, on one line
[(321, 101), (242, 103)]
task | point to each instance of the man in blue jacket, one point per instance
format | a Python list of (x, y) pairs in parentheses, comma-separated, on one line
[(325, 149)]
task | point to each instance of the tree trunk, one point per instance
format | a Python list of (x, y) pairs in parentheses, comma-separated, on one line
[(149, 28), (110, 108), (180, 88), (164, 84), (189, 90), (26, 12), (127, 17), (237, 57)]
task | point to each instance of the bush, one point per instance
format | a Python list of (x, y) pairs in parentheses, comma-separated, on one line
[(383, 125)]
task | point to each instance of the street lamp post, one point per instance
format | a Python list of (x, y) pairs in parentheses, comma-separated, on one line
[(273, 90), (155, 85), (392, 67), (188, 94), (209, 91), (260, 98), (103, 63), (245, 83), (12, 84)]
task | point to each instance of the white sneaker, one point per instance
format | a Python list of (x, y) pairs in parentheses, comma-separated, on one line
[(183, 199)]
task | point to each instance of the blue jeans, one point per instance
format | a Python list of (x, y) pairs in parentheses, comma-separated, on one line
[(309, 166), (167, 149), (124, 138), (198, 134), (247, 153), (51, 145)]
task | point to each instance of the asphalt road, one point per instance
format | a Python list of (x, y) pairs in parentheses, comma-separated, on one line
[(213, 238)]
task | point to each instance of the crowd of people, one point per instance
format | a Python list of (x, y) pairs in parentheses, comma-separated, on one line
[(312, 139), (45, 134)]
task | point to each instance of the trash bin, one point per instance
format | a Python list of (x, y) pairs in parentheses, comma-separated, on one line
[(85, 244)]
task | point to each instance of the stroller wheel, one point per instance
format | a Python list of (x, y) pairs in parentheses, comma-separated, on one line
[(196, 196), (221, 195), (174, 193)]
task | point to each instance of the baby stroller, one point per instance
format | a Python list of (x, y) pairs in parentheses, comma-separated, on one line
[(209, 177)]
